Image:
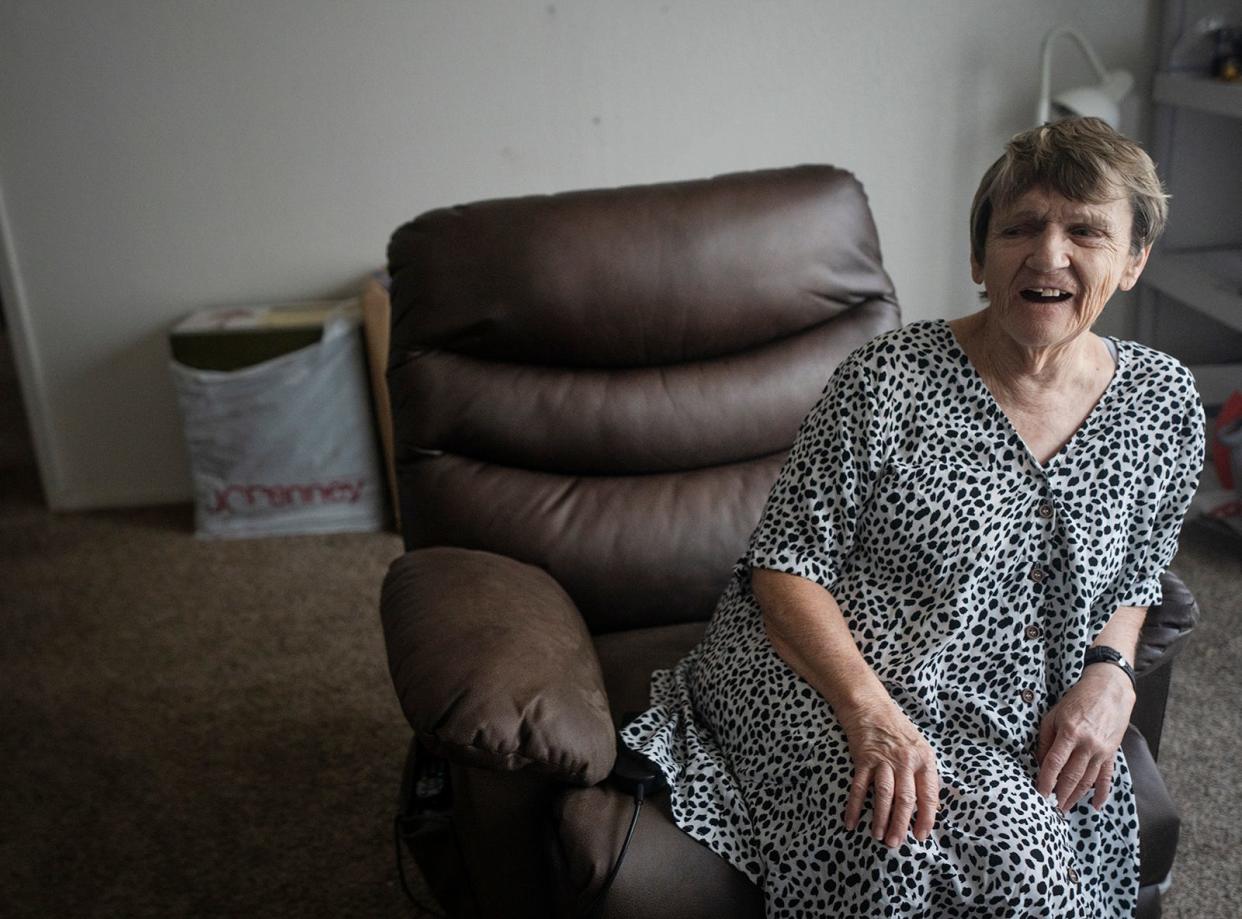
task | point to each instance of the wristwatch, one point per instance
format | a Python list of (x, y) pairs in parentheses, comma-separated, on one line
[(1103, 654)]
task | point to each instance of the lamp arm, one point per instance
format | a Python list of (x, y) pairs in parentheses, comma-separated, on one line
[(1045, 70)]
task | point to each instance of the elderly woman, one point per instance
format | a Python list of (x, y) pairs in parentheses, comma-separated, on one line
[(911, 698)]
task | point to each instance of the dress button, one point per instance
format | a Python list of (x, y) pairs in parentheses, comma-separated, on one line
[(1037, 574), (1072, 874), (1033, 631), (1045, 510), (1028, 695)]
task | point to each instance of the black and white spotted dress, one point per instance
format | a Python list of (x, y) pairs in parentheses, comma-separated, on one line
[(973, 578)]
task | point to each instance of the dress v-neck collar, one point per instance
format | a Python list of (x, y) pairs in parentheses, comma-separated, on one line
[(1006, 424)]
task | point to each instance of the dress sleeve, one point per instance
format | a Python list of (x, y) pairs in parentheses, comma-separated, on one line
[(1154, 542), (812, 512)]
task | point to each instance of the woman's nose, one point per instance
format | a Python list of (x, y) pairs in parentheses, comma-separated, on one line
[(1050, 251)]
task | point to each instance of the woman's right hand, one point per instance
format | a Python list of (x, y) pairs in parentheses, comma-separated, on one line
[(892, 759)]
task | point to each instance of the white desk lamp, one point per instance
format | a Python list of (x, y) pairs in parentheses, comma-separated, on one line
[(1101, 100)]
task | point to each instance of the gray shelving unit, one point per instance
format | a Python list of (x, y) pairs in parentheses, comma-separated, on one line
[(1190, 296), (1194, 91)]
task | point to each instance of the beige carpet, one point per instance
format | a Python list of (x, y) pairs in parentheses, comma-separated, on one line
[(1201, 753), (207, 728), (189, 728)]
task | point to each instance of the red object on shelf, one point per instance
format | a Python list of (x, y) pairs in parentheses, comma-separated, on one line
[(1230, 412)]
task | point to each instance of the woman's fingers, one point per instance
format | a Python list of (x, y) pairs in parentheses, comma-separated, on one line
[(883, 786), (1098, 775), (1075, 795), (1103, 784), (927, 782), (1070, 784), (895, 764), (1057, 754), (1079, 737), (1072, 768), (858, 795), (904, 799)]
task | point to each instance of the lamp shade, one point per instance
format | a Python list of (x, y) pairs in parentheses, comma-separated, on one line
[(1101, 100)]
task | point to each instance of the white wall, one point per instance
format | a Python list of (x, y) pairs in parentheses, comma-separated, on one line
[(161, 155)]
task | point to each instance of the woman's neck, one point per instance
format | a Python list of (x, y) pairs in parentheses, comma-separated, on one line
[(1028, 378)]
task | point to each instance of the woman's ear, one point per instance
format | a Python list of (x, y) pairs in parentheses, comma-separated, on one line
[(1134, 268), (976, 270)]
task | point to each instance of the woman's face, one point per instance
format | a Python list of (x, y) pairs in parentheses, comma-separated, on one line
[(1050, 265)]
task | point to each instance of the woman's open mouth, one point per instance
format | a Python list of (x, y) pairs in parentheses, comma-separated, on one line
[(1045, 294)]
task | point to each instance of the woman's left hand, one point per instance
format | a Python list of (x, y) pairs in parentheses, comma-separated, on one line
[(1079, 737)]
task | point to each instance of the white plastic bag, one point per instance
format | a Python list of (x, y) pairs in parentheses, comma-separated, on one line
[(285, 446)]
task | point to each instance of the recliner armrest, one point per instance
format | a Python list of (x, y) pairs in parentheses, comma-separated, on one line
[(494, 666), (1167, 626)]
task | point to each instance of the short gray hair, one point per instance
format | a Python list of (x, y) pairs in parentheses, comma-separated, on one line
[(1082, 159)]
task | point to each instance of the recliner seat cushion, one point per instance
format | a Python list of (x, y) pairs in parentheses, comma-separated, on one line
[(627, 660)]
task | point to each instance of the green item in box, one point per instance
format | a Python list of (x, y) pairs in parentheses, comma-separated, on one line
[(230, 338)]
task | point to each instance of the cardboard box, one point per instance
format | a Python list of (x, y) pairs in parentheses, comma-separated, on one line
[(376, 325)]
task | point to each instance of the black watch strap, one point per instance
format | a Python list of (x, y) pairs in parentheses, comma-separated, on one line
[(1103, 654)]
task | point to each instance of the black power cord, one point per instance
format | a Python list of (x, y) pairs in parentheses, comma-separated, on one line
[(398, 825), (597, 904), (425, 797), (633, 773), (425, 800)]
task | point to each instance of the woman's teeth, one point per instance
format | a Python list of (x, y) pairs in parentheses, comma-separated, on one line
[(1045, 294)]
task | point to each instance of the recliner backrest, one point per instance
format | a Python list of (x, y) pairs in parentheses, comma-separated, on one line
[(604, 383)]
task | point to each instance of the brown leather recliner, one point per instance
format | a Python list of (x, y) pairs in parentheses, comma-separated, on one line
[(592, 393)]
